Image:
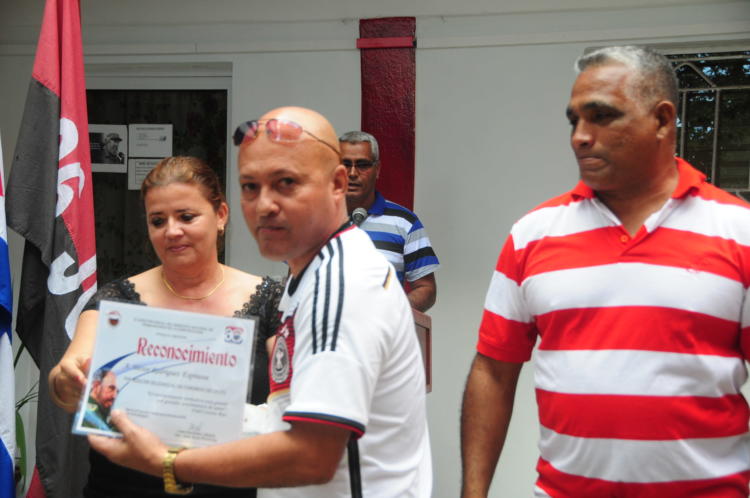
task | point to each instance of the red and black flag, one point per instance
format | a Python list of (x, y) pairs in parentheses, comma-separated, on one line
[(50, 203)]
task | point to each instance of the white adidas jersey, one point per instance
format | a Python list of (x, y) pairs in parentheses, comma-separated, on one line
[(347, 354)]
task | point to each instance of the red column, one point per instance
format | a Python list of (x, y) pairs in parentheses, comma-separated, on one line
[(388, 64)]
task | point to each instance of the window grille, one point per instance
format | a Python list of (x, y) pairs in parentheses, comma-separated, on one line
[(713, 123)]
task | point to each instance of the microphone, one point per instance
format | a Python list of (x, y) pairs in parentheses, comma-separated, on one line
[(359, 215)]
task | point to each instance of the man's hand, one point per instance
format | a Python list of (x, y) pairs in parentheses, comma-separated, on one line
[(308, 453), (487, 407), (138, 449)]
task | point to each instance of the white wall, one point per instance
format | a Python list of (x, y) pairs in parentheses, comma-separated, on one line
[(498, 156), (324, 81), (492, 84)]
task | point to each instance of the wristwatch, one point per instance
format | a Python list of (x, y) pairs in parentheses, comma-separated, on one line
[(171, 485)]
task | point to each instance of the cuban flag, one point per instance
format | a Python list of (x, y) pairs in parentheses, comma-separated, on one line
[(7, 380)]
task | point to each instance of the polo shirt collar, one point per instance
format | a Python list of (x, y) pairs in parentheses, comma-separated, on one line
[(689, 179), (378, 205), (582, 191)]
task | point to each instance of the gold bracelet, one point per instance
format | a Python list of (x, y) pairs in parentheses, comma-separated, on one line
[(171, 485)]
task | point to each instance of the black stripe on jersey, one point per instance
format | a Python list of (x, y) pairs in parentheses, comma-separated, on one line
[(385, 245), (315, 315), (327, 292), (355, 477), (354, 426), (410, 217), (327, 303), (340, 303), (327, 307), (420, 253)]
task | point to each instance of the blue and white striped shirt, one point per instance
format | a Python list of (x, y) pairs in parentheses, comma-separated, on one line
[(400, 236)]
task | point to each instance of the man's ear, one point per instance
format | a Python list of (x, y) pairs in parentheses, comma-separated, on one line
[(665, 114), (340, 180)]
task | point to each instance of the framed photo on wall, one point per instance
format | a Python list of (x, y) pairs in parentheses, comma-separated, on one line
[(109, 148)]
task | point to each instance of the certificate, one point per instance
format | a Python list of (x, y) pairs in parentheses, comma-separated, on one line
[(182, 375)]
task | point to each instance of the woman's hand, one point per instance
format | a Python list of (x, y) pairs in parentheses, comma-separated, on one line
[(68, 380)]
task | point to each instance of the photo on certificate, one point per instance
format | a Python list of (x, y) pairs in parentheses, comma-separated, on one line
[(182, 375), (100, 400), (109, 148)]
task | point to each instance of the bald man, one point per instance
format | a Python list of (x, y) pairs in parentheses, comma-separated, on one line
[(347, 386)]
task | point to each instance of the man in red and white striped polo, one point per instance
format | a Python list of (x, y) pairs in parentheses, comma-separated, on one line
[(635, 283)]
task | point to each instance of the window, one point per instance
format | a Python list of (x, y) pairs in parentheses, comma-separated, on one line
[(713, 124)]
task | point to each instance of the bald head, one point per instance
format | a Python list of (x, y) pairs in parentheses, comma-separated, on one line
[(315, 124), (310, 120), (293, 185)]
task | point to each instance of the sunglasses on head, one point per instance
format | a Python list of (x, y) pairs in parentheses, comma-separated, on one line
[(277, 130)]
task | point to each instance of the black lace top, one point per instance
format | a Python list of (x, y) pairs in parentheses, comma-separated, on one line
[(108, 480)]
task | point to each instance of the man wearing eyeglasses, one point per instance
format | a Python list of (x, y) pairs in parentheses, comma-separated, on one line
[(396, 231), (347, 402)]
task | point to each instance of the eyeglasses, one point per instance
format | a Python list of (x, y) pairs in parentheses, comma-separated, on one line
[(277, 130), (360, 164)]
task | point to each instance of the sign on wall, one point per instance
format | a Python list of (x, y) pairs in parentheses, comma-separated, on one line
[(150, 140)]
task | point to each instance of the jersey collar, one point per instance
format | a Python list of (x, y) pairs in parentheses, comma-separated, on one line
[(294, 281)]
